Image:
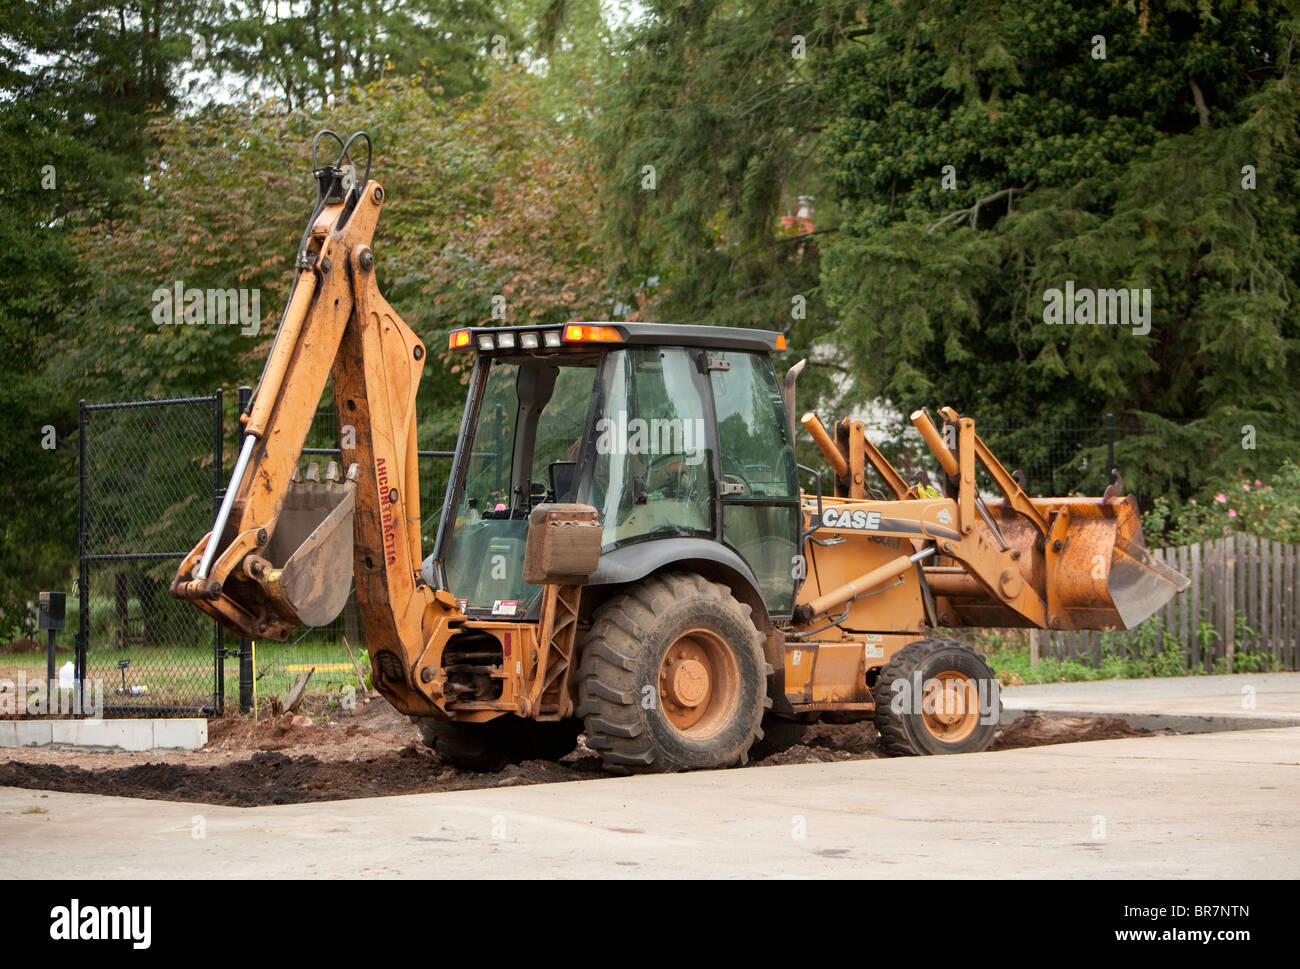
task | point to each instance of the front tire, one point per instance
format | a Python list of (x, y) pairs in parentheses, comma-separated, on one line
[(672, 677), (946, 717)]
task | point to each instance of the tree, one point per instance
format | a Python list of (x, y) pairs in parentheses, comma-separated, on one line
[(309, 51), (79, 81), (1169, 165), (487, 197), (706, 139)]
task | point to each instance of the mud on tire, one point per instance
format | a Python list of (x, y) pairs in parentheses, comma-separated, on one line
[(912, 732), (673, 647)]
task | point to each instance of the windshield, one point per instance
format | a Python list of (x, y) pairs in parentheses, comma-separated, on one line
[(524, 451), (653, 470)]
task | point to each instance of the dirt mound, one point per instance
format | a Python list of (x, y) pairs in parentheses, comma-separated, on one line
[(271, 777), (374, 751), (802, 754), (23, 645), (283, 732), (1036, 730)]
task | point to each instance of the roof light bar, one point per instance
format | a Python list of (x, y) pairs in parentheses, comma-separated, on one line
[(485, 341), (458, 340), (591, 333), (552, 338), (528, 341)]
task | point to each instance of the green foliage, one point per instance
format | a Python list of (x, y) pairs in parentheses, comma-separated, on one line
[(1150, 651), (1127, 172), (1269, 508), (714, 101), (310, 52)]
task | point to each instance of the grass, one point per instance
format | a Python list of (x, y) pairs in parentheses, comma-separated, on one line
[(184, 675), (1149, 652)]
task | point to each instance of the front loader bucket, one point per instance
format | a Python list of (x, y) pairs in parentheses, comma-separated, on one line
[(1106, 579), (309, 558)]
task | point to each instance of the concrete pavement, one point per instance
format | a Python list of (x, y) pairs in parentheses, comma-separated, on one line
[(1188, 704), (1205, 806)]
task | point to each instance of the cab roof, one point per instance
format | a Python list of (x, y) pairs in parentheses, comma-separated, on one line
[(572, 335)]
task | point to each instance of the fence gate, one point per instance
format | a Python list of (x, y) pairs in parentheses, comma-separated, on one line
[(150, 482)]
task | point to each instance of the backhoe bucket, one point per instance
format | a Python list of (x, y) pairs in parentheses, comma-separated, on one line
[(1106, 578), (309, 570)]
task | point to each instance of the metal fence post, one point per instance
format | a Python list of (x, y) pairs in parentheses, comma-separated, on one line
[(1110, 443), (218, 492), (81, 646), (245, 396)]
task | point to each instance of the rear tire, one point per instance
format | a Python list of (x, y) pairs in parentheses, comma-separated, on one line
[(672, 677), (954, 681), (492, 746)]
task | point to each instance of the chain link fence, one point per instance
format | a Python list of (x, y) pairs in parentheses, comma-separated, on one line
[(151, 478)]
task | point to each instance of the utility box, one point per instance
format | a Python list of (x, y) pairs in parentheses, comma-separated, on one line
[(50, 611), (563, 544)]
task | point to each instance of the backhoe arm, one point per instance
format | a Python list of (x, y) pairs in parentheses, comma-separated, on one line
[(284, 552)]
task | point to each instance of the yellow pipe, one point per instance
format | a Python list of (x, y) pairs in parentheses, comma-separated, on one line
[(286, 342), (933, 440), (863, 583), (813, 424)]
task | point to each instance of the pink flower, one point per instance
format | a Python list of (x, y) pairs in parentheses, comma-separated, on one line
[(1193, 501), (1258, 483), (1246, 486), (1221, 498), (1232, 513)]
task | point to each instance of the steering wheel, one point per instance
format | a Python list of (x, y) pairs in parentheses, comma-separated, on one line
[(677, 482)]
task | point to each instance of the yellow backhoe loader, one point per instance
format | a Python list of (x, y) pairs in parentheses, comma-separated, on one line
[(625, 548)]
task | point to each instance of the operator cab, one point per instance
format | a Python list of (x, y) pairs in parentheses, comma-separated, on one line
[(670, 432)]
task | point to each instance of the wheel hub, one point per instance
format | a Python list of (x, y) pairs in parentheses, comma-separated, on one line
[(690, 683), (950, 707), (699, 683)]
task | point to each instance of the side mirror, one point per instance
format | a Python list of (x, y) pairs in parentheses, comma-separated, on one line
[(563, 545)]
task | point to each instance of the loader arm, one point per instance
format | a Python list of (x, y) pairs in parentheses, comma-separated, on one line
[(1050, 563), (285, 552)]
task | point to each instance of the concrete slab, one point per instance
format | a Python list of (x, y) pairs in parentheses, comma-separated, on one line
[(1205, 806), (31, 733), (1188, 704), (185, 733), (132, 735)]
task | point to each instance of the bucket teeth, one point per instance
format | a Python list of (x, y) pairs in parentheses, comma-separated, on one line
[(313, 472), (332, 471)]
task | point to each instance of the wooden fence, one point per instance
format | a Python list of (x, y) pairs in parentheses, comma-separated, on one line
[(1242, 599)]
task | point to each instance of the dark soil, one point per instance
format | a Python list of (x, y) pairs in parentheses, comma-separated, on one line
[(1035, 730), (292, 759), (23, 645), (271, 777)]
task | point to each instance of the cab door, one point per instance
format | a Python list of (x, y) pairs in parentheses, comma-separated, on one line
[(758, 485)]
